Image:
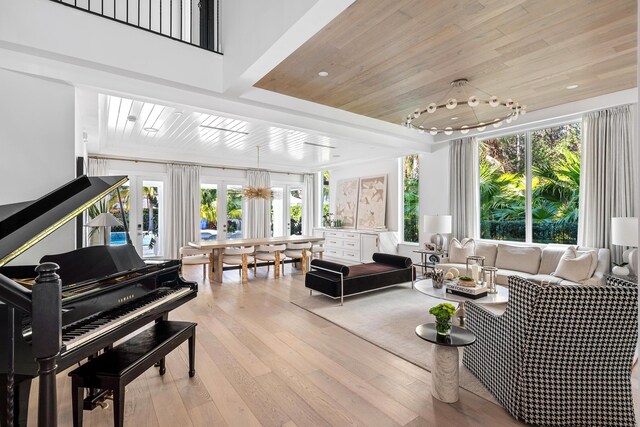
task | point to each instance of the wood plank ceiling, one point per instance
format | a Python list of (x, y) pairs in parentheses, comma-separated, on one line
[(385, 58)]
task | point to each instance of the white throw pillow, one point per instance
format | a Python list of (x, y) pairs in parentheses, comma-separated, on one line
[(458, 252), (574, 267), (594, 252), (518, 258)]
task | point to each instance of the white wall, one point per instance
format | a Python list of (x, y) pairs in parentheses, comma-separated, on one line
[(37, 146), (374, 168), (57, 31)]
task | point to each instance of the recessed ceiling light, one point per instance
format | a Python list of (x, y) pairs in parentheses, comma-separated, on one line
[(323, 74), (151, 129), (455, 118), (572, 87), (132, 118)]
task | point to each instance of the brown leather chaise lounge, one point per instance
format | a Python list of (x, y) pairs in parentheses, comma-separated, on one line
[(338, 281)]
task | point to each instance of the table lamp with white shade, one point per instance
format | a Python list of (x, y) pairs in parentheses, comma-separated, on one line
[(106, 220), (624, 232), (438, 225)]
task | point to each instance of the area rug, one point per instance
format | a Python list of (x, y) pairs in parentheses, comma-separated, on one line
[(388, 318)]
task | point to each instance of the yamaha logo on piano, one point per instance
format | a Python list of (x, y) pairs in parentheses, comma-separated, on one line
[(127, 298)]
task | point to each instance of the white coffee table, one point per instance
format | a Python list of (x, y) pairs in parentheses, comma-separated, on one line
[(426, 287)]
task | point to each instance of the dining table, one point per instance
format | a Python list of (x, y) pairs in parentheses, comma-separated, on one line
[(218, 247)]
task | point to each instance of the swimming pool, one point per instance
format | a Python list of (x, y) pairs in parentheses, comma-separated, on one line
[(118, 238)]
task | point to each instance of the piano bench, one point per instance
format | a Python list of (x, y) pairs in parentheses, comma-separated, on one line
[(116, 368)]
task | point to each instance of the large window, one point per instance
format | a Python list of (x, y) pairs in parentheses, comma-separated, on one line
[(325, 198), (529, 186), (503, 188), (208, 211), (234, 211), (151, 217), (411, 198), (295, 211)]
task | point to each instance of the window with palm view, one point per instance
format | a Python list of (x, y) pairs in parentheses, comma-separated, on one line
[(208, 212), (533, 175), (411, 184), (325, 197)]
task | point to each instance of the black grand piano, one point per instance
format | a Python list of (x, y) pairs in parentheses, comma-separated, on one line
[(104, 293)]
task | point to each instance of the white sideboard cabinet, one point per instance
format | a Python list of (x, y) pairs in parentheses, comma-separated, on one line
[(349, 245)]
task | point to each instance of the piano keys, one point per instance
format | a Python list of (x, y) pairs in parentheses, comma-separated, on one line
[(107, 292)]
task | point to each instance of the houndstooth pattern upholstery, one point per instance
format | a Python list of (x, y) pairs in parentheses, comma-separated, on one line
[(559, 355)]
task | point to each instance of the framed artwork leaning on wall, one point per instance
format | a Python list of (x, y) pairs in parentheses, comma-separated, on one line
[(347, 201), (372, 202)]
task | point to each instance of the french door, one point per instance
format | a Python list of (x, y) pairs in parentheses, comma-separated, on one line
[(221, 210), (143, 208), (286, 210)]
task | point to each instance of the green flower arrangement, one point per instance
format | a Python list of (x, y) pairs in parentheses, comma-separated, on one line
[(443, 313)]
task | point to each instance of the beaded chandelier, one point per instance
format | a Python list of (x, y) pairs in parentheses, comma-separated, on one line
[(506, 110)]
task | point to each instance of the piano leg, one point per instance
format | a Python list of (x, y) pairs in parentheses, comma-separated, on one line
[(192, 355), (118, 407), (21, 389), (47, 391), (162, 363), (77, 396)]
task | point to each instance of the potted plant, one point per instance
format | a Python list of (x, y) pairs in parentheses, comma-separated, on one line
[(443, 313)]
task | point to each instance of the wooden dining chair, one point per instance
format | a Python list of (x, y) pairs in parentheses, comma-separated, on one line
[(271, 253), (243, 257), (299, 251), (317, 250), (194, 256)]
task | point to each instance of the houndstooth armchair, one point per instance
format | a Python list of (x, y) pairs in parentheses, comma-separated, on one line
[(559, 355)]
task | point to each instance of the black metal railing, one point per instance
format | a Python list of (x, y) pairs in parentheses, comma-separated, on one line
[(196, 22)]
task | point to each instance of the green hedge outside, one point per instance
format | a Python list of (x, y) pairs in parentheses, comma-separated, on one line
[(543, 232)]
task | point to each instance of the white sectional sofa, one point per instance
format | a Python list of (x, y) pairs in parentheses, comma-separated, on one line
[(534, 263)]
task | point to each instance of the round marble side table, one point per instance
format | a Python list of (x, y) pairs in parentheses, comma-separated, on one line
[(445, 359)]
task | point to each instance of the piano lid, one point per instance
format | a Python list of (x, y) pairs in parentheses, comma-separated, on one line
[(22, 225)]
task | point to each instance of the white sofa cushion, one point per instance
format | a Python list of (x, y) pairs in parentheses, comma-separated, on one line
[(519, 258), (459, 252), (551, 256), (502, 276), (576, 267), (489, 251)]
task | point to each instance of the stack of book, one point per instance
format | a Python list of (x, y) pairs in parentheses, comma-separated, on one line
[(475, 292)]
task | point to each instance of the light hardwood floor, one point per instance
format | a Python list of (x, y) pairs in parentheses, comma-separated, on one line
[(264, 361)]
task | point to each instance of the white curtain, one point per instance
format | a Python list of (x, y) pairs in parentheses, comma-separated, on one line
[(258, 216), (308, 204), (183, 207), (607, 176), (464, 201), (97, 167)]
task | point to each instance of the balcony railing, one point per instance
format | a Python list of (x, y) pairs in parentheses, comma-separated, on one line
[(196, 22)]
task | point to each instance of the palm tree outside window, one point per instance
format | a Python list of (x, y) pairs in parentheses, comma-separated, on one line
[(530, 185)]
